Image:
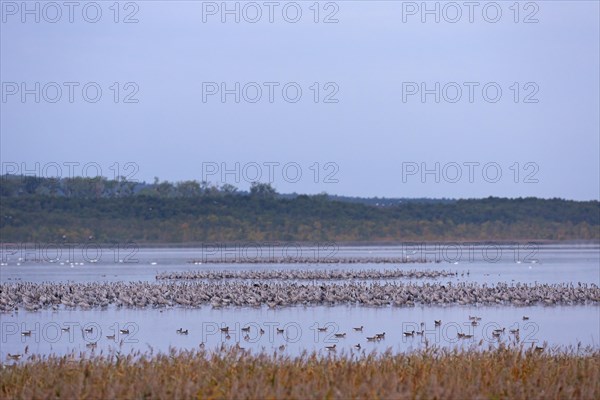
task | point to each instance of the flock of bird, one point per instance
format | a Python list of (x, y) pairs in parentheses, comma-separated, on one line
[(194, 294), (246, 332), (89, 344), (275, 288), (306, 274), (324, 259), (496, 334), (378, 337)]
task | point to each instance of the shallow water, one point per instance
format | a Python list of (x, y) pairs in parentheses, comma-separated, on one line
[(156, 329), (485, 264)]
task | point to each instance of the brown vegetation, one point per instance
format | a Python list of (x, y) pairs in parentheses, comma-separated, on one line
[(233, 373)]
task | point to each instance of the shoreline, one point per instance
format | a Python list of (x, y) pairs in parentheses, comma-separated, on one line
[(281, 243)]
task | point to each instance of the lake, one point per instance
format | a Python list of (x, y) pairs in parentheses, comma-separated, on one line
[(156, 328)]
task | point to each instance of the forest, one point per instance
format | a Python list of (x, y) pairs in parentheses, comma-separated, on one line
[(36, 209)]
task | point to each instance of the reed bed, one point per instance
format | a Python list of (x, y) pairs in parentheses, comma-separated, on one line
[(507, 372)]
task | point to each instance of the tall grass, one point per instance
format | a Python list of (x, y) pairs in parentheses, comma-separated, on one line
[(502, 373)]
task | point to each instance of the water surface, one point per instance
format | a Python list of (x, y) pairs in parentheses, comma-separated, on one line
[(156, 329)]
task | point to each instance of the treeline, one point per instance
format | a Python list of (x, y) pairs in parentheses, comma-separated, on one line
[(152, 215), (100, 187)]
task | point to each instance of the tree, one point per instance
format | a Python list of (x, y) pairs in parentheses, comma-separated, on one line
[(188, 189), (262, 190), (228, 189)]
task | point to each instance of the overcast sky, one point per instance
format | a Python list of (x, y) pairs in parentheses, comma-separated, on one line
[(384, 96)]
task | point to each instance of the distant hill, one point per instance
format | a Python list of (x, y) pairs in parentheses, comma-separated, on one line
[(46, 210)]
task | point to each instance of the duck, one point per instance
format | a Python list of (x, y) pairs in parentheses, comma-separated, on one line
[(380, 335), (282, 347), (15, 356), (88, 330), (525, 318), (67, 329), (246, 329), (409, 333), (357, 346), (340, 335), (322, 329), (437, 322), (280, 330), (26, 333), (111, 337), (202, 345), (514, 331), (124, 331), (91, 345), (330, 348), (226, 329), (359, 329), (372, 338)]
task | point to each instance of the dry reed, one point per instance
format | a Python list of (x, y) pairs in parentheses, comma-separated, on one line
[(503, 373)]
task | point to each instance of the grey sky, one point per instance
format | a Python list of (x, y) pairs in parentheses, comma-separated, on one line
[(370, 135)]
